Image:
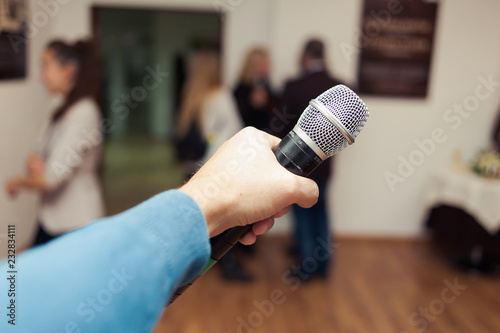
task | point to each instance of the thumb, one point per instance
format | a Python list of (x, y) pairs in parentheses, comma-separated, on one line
[(307, 192)]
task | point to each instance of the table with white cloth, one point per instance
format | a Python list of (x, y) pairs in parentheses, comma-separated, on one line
[(464, 216)]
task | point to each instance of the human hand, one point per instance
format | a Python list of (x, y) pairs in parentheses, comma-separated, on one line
[(243, 183), (35, 165), (12, 187)]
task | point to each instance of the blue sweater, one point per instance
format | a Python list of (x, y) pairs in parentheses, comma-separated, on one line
[(114, 275)]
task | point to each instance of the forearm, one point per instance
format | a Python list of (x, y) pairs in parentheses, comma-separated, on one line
[(117, 274), (32, 182)]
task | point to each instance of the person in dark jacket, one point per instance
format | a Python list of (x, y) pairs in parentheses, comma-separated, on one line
[(253, 93), (311, 225), (255, 102)]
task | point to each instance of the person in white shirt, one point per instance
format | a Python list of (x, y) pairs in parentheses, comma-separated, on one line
[(208, 117), (65, 172), (207, 108)]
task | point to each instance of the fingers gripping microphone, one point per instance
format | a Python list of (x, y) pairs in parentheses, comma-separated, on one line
[(330, 123)]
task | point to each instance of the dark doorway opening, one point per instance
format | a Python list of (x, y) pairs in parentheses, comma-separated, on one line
[(144, 54)]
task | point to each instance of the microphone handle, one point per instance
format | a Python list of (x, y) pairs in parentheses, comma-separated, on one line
[(293, 154)]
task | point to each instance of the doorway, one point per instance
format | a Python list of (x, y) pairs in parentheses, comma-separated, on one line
[(144, 54)]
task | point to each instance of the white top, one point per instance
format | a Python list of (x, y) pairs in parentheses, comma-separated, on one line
[(72, 152), (221, 120), (478, 196)]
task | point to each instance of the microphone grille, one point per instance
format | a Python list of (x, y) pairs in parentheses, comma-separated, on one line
[(344, 105)]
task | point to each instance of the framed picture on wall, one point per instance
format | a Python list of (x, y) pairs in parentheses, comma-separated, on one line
[(13, 39), (396, 47)]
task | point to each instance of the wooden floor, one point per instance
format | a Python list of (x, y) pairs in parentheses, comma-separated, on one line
[(382, 286)]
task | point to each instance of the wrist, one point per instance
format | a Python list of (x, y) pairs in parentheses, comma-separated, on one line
[(213, 205)]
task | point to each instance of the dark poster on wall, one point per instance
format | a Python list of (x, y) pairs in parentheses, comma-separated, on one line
[(12, 39), (396, 45)]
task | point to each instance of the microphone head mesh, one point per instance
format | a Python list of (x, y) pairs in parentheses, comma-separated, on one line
[(346, 106)]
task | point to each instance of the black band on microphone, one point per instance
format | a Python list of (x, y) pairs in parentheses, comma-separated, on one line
[(225, 241), (296, 156), (220, 245)]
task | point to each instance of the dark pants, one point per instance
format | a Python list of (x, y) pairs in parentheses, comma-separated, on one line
[(312, 232), (42, 236)]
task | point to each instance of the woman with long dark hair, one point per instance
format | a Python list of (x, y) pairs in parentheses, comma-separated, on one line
[(65, 172)]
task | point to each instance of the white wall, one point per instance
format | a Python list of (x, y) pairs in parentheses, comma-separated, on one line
[(466, 48)]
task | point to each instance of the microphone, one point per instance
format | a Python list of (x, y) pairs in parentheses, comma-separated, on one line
[(330, 123)]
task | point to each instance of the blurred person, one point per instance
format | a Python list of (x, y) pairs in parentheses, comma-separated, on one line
[(208, 117), (496, 133), (134, 261), (207, 110), (255, 101), (253, 92), (311, 225), (66, 170)]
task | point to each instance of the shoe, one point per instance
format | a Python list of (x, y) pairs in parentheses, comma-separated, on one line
[(297, 273), (237, 275), (232, 271)]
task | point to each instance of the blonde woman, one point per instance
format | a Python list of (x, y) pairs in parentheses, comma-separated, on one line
[(253, 93), (207, 112)]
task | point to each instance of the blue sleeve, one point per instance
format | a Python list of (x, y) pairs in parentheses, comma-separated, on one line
[(114, 275)]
